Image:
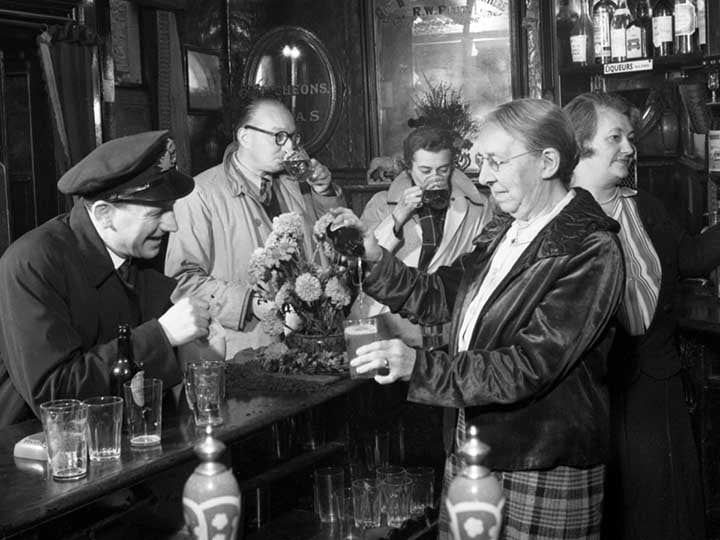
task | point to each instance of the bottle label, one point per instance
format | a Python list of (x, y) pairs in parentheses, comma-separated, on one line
[(578, 49), (662, 30), (617, 40), (713, 150), (702, 23), (634, 42), (471, 520), (685, 21), (601, 34)]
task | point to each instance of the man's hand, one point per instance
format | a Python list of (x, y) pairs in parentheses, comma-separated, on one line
[(409, 201), (320, 178), (344, 217), (188, 319)]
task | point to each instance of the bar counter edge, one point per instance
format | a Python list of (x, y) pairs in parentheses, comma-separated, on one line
[(29, 497)]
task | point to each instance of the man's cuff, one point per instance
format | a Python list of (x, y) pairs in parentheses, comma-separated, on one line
[(397, 228), (331, 190)]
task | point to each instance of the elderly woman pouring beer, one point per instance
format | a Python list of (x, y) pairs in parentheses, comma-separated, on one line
[(529, 310)]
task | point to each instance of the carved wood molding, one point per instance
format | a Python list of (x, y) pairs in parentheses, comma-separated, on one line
[(61, 8), (170, 5)]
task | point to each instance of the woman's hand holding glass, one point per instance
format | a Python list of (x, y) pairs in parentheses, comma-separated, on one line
[(344, 217), (390, 356), (409, 201)]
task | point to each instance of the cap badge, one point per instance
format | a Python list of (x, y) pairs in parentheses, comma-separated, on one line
[(169, 159)]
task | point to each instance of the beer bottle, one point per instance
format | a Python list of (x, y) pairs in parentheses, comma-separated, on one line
[(581, 38), (564, 21), (124, 367), (639, 33), (702, 26), (685, 26), (621, 19), (602, 15), (662, 28)]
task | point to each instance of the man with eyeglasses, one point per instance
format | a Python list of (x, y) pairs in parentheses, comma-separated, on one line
[(230, 212), (427, 218)]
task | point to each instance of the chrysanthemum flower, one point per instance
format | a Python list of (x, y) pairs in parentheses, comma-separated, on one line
[(308, 287), (337, 292), (288, 224)]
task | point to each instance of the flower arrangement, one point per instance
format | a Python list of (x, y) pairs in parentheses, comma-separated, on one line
[(315, 289)]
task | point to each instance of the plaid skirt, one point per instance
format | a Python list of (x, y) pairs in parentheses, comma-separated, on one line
[(561, 503)]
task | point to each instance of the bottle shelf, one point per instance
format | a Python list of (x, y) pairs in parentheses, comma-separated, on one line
[(660, 63)]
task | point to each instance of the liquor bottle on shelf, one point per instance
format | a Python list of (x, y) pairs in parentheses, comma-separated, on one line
[(637, 35), (581, 38), (662, 28), (713, 146), (602, 16), (618, 32), (564, 22), (124, 368), (685, 27), (702, 26)]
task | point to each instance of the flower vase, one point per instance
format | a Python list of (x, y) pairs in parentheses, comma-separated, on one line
[(313, 344)]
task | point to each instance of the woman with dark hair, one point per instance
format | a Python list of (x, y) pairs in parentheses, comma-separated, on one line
[(427, 218), (529, 309), (654, 489)]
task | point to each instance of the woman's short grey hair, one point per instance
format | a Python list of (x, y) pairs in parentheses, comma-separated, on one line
[(539, 124), (583, 113)]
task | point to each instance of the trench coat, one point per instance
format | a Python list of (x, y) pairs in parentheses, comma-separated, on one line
[(467, 214), (60, 307), (220, 224), (533, 378)]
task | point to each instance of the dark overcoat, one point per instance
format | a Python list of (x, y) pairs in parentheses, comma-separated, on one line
[(654, 470), (60, 305), (533, 379)]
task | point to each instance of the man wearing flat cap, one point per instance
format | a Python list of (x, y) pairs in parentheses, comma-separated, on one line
[(69, 283), (230, 213)]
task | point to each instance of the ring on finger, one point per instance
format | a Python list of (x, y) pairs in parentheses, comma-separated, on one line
[(386, 363)]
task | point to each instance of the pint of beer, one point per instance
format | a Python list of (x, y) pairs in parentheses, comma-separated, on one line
[(359, 332)]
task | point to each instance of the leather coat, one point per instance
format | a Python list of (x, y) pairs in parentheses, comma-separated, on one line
[(533, 379)]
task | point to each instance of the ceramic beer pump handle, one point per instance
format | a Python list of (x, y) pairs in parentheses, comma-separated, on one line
[(211, 498)]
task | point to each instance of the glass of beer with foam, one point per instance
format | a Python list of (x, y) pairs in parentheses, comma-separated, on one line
[(359, 332)]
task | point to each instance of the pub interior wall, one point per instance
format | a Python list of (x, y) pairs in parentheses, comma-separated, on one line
[(231, 27)]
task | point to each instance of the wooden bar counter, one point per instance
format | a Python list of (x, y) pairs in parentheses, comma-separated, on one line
[(31, 501)]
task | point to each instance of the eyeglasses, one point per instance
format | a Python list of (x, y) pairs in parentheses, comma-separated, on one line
[(495, 163), (281, 137)]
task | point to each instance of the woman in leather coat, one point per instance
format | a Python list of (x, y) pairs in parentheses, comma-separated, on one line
[(529, 311), (654, 489)]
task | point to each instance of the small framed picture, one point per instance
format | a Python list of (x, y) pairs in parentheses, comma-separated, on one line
[(204, 80)]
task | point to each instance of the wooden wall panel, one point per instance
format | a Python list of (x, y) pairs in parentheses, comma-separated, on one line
[(232, 27)]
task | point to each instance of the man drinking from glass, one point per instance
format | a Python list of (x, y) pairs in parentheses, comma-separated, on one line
[(230, 212)]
